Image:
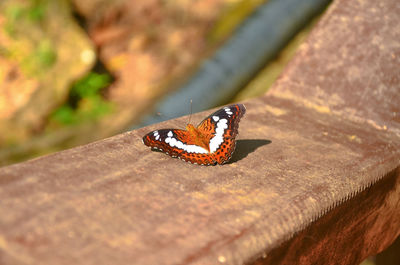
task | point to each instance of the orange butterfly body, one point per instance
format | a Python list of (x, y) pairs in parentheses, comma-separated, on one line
[(198, 137)]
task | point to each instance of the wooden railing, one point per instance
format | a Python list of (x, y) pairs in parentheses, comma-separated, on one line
[(315, 178)]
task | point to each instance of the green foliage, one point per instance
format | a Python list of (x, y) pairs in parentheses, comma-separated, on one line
[(90, 85), (65, 115), (45, 54), (13, 13), (32, 48), (43, 57), (16, 12), (36, 10), (86, 103)]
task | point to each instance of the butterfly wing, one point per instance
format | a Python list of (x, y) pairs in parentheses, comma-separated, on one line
[(223, 126), (178, 143)]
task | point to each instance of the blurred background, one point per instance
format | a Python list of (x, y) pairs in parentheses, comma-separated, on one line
[(72, 72)]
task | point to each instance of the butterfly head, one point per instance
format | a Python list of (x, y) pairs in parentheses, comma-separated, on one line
[(190, 128)]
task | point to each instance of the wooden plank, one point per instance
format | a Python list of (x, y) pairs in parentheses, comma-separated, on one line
[(311, 151), (350, 232)]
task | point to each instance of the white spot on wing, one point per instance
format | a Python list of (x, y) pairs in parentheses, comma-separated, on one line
[(170, 134), (228, 111), (180, 145), (215, 118), (195, 149), (218, 138), (188, 148), (172, 142)]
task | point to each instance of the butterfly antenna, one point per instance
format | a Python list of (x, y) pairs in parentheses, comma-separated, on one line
[(190, 116)]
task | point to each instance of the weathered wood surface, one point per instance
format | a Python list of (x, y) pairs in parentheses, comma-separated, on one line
[(315, 176)]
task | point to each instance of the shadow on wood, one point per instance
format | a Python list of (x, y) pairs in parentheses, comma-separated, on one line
[(245, 147)]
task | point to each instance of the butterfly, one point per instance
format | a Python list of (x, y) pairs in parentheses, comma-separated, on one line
[(211, 142)]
